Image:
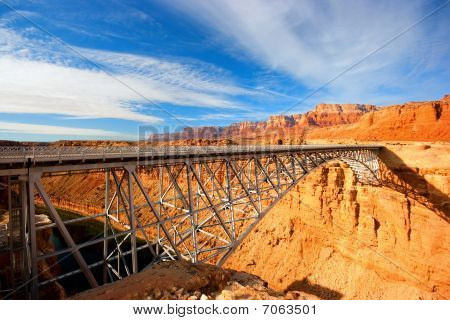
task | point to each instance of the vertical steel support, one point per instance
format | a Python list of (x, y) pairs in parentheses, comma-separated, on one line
[(24, 218), (11, 230), (158, 227), (32, 238), (191, 210), (261, 167), (277, 166), (105, 227), (134, 261), (210, 201), (176, 188), (257, 185), (230, 200)]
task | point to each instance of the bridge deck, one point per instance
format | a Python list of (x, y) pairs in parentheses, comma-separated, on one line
[(20, 157)]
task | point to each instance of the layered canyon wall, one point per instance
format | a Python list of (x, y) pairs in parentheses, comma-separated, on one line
[(413, 121), (323, 115)]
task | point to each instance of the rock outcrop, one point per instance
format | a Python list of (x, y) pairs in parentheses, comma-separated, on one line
[(182, 280), (325, 115)]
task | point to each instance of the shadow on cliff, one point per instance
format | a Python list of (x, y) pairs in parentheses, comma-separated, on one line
[(306, 286), (413, 185)]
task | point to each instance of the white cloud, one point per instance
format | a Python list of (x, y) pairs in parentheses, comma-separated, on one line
[(43, 88), (313, 41), (38, 129), (39, 76)]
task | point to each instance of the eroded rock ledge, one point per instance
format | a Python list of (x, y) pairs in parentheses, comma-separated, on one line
[(182, 280)]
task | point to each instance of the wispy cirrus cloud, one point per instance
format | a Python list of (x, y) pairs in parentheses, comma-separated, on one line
[(313, 41), (39, 76)]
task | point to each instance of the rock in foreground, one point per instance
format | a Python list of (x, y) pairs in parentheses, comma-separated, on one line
[(182, 280)]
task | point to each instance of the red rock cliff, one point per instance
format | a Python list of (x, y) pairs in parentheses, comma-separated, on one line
[(413, 121)]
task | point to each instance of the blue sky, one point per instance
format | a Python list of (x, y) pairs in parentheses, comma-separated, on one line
[(110, 69)]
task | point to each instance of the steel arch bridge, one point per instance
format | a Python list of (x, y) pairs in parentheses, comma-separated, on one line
[(165, 203)]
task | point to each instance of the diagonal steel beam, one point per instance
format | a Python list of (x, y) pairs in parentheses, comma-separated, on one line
[(213, 206), (266, 174), (244, 187), (164, 194), (213, 175), (156, 214), (285, 169), (176, 186), (300, 164), (66, 235), (242, 172), (252, 226)]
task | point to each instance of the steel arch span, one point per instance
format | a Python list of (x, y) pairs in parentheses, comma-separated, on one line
[(193, 203)]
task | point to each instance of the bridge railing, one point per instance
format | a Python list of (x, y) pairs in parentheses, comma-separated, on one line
[(60, 153)]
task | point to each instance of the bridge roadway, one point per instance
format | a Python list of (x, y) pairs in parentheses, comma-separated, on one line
[(20, 157)]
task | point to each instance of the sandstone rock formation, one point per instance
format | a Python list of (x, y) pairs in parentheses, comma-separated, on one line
[(413, 121), (338, 239), (324, 115), (181, 280)]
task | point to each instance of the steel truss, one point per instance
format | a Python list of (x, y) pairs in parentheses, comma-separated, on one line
[(197, 209)]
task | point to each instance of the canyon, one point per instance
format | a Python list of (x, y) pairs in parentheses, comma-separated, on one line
[(331, 237), (336, 238)]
